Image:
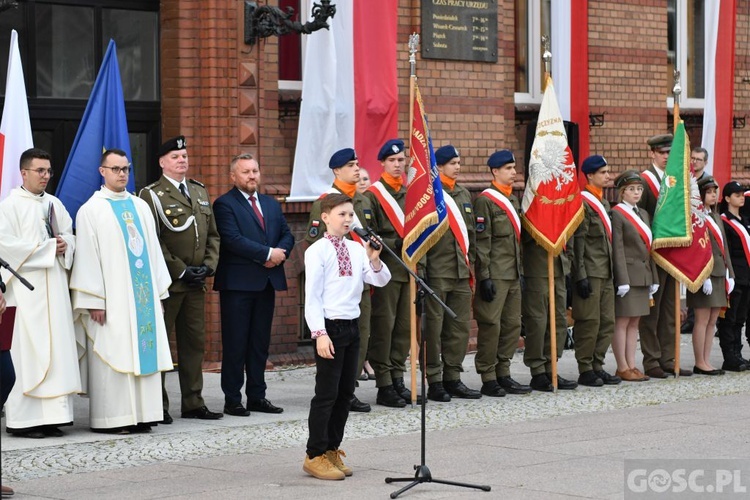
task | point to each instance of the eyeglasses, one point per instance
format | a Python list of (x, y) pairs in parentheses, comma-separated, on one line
[(697, 159), (42, 171), (118, 170)]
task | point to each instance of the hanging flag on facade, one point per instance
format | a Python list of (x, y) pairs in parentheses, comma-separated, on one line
[(104, 126), (15, 128), (552, 203)]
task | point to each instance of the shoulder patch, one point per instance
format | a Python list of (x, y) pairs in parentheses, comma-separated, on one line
[(152, 185), (467, 208), (368, 213), (196, 182)]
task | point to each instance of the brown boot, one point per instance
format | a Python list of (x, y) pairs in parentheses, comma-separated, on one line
[(322, 468), (334, 456)]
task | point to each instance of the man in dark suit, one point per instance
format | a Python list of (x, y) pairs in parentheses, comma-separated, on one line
[(255, 242)]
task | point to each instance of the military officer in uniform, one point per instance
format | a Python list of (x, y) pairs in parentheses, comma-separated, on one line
[(190, 243), (345, 167), (391, 305), (497, 305), (594, 293), (447, 268), (657, 329)]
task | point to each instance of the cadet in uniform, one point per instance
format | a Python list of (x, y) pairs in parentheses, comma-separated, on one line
[(391, 304), (346, 171), (594, 297), (497, 306), (657, 329), (447, 268), (190, 243)]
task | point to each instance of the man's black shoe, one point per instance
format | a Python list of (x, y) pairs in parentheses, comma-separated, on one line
[(31, 432), (436, 392), (733, 366), (589, 378), (541, 382), (202, 413), (401, 390), (492, 388), (683, 372), (263, 406), (457, 389), (512, 387), (52, 431), (387, 396), (564, 384), (608, 378), (359, 406), (167, 418), (236, 410)]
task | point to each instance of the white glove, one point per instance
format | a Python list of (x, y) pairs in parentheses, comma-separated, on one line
[(653, 289), (708, 287), (622, 290), (731, 284)]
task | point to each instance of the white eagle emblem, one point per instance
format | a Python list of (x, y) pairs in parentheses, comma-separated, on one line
[(549, 162)]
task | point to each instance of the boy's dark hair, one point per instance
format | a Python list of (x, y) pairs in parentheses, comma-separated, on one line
[(331, 201), (33, 154)]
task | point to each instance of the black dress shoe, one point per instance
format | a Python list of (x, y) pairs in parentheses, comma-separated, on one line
[(236, 410), (31, 433), (608, 378), (202, 413), (436, 392), (492, 388), (140, 428), (167, 418), (401, 390), (564, 384), (589, 378), (387, 396), (701, 371), (359, 406), (541, 382), (656, 372), (263, 406), (52, 431), (510, 386), (457, 389), (683, 372), (733, 366)]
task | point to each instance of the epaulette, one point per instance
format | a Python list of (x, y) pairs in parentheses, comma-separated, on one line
[(196, 182), (152, 185)]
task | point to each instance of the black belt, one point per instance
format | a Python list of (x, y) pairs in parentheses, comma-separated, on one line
[(343, 321)]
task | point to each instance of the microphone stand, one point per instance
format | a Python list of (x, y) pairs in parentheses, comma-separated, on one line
[(423, 474), (14, 273)]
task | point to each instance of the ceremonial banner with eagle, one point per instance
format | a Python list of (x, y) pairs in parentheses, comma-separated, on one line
[(552, 203)]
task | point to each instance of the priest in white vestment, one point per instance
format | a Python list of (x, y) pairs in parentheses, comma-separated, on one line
[(119, 279), (36, 238)]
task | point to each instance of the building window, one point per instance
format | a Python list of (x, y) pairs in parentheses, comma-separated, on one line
[(292, 47), (532, 20), (686, 50)]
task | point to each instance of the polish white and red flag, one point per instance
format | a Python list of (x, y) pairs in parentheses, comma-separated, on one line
[(15, 128), (349, 93), (720, 27)]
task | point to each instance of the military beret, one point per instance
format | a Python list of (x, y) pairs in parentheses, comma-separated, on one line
[(660, 141), (593, 163), (445, 154), (732, 187), (706, 182), (500, 158), (173, 144), (627, 177), (342, 157), (391, 147)]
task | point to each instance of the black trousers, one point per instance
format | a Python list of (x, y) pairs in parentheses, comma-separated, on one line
[(334, 388), (730, 326), (246, 319), (7, 376)]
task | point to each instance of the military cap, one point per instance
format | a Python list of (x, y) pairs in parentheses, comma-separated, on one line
[(342, 157), (732, 187), (706, 182), (391, 147), (662, 141), (627, 177), (173, 144), (445, 154), (500, 158), (593, 163)]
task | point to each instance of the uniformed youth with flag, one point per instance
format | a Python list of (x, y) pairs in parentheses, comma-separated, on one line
[(190, 243), (346, 171), (497, 303), (594, 292)]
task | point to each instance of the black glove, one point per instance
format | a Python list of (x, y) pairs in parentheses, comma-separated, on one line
[(487, 290), (207, 270), (583, 288), (194, 276), (399, 245)]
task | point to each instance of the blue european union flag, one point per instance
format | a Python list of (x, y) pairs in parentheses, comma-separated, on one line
[(104, 126)]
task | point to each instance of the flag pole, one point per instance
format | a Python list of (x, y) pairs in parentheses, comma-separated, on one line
[(676, 91), (413, 44)]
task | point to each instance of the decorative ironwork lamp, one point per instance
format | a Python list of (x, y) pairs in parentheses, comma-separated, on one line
[(264, 20)]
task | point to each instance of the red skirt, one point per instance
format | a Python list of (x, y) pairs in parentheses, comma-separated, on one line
[(6, 328)]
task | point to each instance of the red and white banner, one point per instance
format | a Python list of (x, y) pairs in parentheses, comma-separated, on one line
[(349, 93), (570, 67), (721, 16), (15, 129)]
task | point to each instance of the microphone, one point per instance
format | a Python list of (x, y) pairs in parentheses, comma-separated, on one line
[(366, 237)]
